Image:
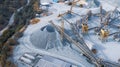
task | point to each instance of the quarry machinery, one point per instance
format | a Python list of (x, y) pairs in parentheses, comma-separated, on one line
[(104, 33), (86, 51), (108, 21), (105, 22), (84, 24), (84, 28), (70, 11), (101, 30)]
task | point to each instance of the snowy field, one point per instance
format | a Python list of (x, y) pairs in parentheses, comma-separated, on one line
[(35, 40)]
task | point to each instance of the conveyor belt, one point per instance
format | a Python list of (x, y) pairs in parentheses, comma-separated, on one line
[(85, 51), (80, 39)]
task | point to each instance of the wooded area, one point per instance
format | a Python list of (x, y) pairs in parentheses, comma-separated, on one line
[(7, 8), (10, 36)]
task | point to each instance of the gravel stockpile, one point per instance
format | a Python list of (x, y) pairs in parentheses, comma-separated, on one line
[(46, 36)]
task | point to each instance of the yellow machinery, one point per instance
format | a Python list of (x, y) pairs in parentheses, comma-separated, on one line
[(84, 28), (104, 33)]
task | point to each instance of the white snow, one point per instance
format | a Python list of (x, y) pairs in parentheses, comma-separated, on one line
[(67, 54), (107, 51)]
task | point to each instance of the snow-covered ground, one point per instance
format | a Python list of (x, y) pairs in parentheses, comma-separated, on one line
[(107, 51), (113, 2), (71, 55)]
